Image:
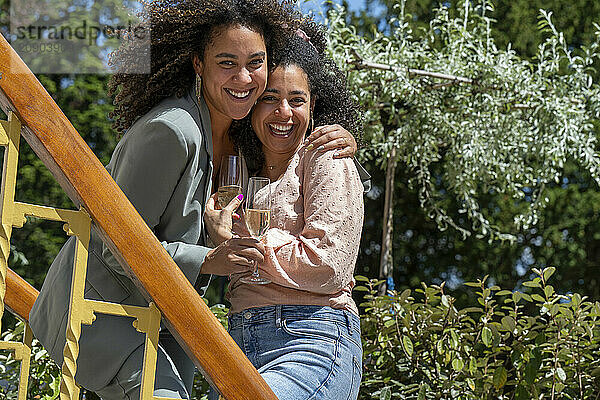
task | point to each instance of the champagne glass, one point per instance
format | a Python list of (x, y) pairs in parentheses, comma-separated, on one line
[(258, 217), (230, 180)]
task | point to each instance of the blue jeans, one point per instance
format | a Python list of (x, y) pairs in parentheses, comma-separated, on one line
[(302, 352)]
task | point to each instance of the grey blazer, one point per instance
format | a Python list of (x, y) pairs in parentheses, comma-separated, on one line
[(164, 166)]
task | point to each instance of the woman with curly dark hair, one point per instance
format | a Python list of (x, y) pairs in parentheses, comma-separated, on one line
[(302, 330), (207, 66)]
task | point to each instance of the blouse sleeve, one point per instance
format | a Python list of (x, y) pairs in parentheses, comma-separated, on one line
[(321, 258), (147, 169)]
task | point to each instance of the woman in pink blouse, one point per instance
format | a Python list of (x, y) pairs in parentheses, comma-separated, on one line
[(302, 330)]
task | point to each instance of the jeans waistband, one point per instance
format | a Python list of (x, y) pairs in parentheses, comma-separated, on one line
[(278, 312)]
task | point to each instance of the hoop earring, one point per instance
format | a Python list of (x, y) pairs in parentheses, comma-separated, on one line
[(198, 86), (311, 125)]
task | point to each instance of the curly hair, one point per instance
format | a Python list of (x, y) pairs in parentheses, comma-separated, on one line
[(334, 103), (180, 30)]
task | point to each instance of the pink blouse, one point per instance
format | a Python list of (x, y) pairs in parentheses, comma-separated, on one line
[(312, 245)]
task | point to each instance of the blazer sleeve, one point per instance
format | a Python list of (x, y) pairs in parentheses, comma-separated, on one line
[(147, 168), (321, 258)]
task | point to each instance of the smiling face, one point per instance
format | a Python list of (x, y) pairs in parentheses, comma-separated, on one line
[(233, 71), (281, 116)]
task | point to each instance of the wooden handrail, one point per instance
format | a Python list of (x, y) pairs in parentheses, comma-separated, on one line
[(20, 295), (86, 181)]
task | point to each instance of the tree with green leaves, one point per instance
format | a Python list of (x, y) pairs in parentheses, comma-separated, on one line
[(476, 126)]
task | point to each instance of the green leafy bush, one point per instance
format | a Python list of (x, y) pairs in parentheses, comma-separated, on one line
[(44, 380), (511, 345)]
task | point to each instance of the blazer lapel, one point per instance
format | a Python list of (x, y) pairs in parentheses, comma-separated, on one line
[(202, 117)]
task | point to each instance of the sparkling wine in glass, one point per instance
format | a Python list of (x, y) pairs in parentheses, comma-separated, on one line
[(257, 214), (230, 180)]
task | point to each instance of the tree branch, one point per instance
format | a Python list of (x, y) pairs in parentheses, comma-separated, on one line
[(411, 72), (359, 63)]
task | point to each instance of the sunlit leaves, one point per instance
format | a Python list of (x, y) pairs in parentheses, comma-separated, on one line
[(510, 346), (509, 133), (44, 377), (408, 346), (499, 378)]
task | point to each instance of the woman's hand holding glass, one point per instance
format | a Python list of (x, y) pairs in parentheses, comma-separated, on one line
[(219, 221), (234, 256), (237, 251)]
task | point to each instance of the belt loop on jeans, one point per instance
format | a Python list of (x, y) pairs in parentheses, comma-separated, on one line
[(348, 321), (278, 316)]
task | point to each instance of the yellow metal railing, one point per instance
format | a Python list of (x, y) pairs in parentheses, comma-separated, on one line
[(21, 351), (82, 311)]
